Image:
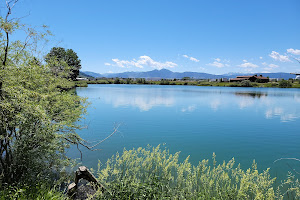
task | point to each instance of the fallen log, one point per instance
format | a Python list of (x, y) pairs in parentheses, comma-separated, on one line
[(83, 173)]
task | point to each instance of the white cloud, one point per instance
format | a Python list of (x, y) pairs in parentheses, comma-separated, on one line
[(194, 59), (107, 64), (143, 61), (216, 64), (191, 58), (269, 67), (276, 56), (248, 65), (245, 61), (293, 51), (219, 64), (260, 57), (273, 66)]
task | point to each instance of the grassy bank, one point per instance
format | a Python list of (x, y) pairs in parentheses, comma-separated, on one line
[(280, 84), (154, 173)]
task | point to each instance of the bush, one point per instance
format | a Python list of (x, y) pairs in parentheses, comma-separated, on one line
[(81, 84), (141, 81), (164, 82), (117, 81), (285, 84), (245, 83), (153, 173)]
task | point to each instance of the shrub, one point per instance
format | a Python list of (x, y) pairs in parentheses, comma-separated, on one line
[(141, 81), (81, 84), (164, 82), (153, 173), (285, 84), (245, 83), (117, 81)]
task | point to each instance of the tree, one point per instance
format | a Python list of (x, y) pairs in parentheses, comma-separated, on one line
[(37, 118), (63, 60), (284, 84)]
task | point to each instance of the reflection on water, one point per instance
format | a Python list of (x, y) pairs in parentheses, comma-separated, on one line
[(189, 109), (245, 123), (275, 104), (138, 98), (251, 94)]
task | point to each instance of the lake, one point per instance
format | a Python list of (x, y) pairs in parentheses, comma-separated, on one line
[(244, 123)]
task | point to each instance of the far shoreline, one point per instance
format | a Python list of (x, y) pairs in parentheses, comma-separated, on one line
[(141, 81)]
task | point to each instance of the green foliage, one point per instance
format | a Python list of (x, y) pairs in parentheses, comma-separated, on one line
[(64, 61), (285, 84), (186, 78), (38, 111), (141, 81), (154, 173), (164, 82), (81, 84), (128, 81), (204, 84), (37, 122), (40, 191), (234, 85), (117, 81), (245, 83)]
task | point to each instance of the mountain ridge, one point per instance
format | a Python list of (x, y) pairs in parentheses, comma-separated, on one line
[(167, 74)]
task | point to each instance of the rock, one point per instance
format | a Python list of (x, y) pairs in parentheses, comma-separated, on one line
[(72, 189), (83, 191)]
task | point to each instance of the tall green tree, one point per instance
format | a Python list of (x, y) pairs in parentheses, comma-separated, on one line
[(61, 59), (38, 119)]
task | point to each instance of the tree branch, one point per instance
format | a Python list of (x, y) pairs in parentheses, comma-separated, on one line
[(77, 143)]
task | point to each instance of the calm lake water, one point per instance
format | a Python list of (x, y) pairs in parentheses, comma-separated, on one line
[(244, 123)]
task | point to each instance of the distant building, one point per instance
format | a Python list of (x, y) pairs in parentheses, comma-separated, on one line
[(213, 80), (253, 78), (81, 79), (297, 76), (224, 80)]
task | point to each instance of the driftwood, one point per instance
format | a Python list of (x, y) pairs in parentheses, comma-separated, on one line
[(77, 192)]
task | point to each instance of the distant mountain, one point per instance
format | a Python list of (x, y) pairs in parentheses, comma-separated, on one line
[(163, 73), (92, 74), (270, 75), (84, 75), (167, 74)]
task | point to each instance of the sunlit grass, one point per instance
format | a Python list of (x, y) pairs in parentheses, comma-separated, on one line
[(154, 173)]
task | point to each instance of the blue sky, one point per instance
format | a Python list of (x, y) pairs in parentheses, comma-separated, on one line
[(181, 35)]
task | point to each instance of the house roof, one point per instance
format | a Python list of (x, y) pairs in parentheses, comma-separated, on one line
[(239, 79), (243, 76)]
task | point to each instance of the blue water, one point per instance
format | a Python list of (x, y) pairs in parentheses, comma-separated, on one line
[(244, 123)]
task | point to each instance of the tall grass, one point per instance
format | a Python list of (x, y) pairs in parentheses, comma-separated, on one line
[(154, 173), (41, 191)]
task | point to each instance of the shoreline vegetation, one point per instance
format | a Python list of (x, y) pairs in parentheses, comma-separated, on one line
[(142, 81), (155, 173)]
